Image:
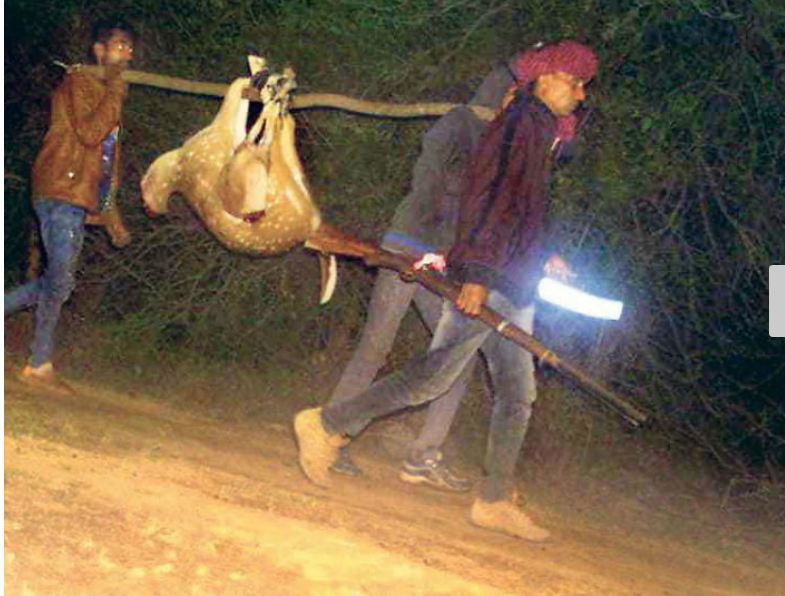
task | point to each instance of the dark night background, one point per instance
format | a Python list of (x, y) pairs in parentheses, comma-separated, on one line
[(676, 204)]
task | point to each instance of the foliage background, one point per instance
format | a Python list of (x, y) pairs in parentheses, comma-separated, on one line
[(676, 206)]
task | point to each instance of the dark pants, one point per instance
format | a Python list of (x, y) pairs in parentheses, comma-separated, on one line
[(431, 376), (62, 234), (390, 300)]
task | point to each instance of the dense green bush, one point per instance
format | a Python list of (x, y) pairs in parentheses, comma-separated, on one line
[(676, 205)]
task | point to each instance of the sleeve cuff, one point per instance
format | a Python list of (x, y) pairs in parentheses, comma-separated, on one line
[(474, 273)]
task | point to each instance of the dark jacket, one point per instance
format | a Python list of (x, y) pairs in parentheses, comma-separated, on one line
[(505, 202), (425, 220), (84, 111)]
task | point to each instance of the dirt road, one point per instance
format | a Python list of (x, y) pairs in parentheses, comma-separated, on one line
[(112, 493)]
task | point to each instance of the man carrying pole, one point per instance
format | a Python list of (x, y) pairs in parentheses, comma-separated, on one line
[(75, 180)]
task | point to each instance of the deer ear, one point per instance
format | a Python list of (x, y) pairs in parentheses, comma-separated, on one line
[(256, 64)]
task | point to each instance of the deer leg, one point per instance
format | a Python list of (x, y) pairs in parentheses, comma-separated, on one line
[(160, 182)]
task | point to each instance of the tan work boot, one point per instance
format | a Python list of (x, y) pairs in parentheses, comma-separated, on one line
[(506, 517), (318, 448), (45, 378)]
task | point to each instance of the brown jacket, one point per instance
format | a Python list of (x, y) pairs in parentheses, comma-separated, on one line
[(85, 110)]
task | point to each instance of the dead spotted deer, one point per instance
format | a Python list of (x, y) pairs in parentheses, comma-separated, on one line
[(248, 187)]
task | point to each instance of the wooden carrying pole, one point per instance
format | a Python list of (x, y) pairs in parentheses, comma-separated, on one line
[(298, 102), (330, 240)]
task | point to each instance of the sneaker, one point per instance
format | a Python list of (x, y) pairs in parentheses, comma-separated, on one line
[(318, 448), (345, 465), (507, 518), (434, 472), (44, 377)]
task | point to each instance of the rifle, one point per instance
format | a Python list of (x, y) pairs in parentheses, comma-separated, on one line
[(329, 240)]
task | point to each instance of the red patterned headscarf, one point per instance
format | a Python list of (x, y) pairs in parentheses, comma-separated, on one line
[(567, 56)]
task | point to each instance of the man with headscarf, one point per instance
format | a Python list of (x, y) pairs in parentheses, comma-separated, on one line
[(497, 257)]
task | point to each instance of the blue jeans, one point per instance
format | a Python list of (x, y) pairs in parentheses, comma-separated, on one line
[(62, 234), (428, 377), (390, 300)]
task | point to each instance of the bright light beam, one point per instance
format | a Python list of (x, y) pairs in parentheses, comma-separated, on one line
[(576, 300)]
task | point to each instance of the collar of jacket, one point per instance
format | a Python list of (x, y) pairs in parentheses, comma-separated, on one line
[(582, 113), (558, 145), (529, 100), (535, 104)]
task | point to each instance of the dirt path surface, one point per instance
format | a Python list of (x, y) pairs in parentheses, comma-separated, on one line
[(112, 493)]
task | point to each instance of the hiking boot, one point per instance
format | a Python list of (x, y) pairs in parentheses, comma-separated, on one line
[(506, 517), (345, 465), (45, 378), (318, 448), (433, 472)]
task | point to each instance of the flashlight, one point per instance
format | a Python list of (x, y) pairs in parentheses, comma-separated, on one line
[(575, 300)]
